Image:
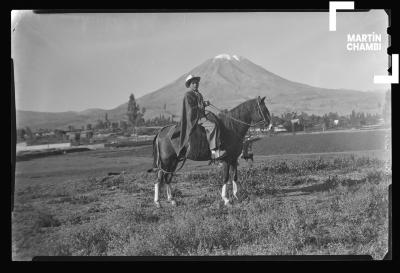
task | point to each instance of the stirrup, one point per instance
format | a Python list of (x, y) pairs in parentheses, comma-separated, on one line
[(216, 154)]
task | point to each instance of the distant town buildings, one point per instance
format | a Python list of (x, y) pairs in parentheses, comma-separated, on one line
[(105, 129)]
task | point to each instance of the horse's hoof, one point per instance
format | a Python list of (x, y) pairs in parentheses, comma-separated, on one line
[(173, 203), (158, 205), (227, 204)]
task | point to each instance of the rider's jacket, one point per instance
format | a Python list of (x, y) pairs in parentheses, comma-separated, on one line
[(192, 110)]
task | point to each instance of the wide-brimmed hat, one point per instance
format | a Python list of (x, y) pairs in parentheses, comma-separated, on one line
[(189, 79)]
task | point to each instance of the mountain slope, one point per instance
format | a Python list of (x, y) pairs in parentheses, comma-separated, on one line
[(226, 81), (229, 80)]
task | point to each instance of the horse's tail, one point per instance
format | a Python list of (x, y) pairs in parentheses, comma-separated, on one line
[(155, 155)]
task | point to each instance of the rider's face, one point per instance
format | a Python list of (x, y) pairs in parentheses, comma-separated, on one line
[(194, 85)]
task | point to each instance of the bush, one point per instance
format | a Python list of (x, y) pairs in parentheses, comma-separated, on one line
[(45, 220)]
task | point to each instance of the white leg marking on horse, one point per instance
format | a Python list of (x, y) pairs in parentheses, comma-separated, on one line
[(235, 189), (169, 195), (223, 194), (156, 193)]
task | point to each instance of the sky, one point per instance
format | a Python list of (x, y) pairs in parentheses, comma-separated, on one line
[(73, 62)]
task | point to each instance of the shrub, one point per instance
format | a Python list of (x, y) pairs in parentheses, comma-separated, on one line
[(375, 176), (45, 220)]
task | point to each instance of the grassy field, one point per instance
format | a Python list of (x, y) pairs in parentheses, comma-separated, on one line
[(333, 203), (322, 143)]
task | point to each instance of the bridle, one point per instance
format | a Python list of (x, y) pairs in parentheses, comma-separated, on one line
[(262, 114)]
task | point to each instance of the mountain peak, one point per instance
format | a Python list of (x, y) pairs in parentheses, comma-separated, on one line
[(227, 57)]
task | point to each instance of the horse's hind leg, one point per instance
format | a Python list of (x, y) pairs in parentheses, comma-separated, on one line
[(226, 178), (168, 179), (234, 180), (157, 188)]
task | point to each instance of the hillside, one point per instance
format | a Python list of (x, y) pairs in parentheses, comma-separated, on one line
[(226, 82)]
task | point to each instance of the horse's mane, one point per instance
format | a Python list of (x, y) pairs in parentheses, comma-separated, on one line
[(239, 112)]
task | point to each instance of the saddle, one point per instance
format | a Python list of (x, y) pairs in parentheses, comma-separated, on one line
[(198, 148)]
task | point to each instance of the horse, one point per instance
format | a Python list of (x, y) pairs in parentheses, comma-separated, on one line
[(234, 125)]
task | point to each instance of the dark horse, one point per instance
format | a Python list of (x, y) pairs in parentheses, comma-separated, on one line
[(234, 125)]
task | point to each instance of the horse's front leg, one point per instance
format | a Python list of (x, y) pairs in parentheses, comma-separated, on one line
[(169, 190), (234, 180), (226, 179)]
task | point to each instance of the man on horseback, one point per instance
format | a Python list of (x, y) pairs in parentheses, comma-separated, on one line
[(193, 112)]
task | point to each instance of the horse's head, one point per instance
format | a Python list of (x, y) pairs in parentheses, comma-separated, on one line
[(261, 113)]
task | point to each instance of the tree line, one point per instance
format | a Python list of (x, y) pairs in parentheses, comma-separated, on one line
[(326, 121)]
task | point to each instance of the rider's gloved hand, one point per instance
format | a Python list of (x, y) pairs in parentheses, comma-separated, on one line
[(206, 103)]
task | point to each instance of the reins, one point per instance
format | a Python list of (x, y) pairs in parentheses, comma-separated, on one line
[(237, 120), (183, 163)]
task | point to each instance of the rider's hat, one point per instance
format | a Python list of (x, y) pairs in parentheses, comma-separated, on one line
[(189, 79)]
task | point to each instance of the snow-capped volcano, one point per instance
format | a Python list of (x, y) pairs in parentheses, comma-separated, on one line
[(227, 57)]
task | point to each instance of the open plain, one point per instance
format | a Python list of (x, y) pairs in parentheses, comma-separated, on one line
[(306, 194)]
